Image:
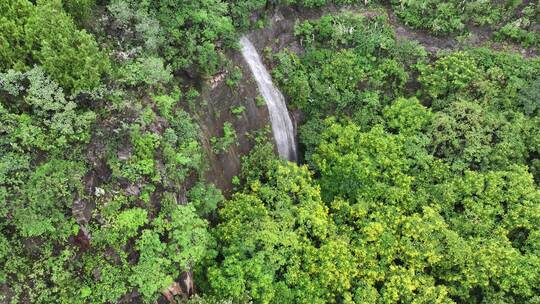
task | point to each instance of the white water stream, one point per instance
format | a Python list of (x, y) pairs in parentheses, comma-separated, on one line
[(282, 127)]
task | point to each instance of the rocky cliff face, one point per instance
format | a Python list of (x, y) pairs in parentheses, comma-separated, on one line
[(221, 98)]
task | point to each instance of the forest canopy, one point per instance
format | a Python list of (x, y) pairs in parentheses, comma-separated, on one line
[(131, 170)]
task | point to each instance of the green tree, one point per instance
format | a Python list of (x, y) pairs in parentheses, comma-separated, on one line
[(44, 34), (368, 166), (14, 48), (71, 56), (49, 119), (41, 209), (194, 29), (276, 239)]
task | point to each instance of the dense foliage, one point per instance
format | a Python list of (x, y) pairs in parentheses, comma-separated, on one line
[(450, 16), (44, 34), (419, 175), (439, 199), (92, 170)]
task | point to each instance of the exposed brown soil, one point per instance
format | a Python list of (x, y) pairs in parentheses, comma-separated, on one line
[(479, 36)]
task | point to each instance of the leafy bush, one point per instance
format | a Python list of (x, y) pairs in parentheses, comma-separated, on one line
[(205, 198), (445, 17), (280, 267), (51, 120), (159, 263), (145, 70), (69, 55), (194, 28), (14, 47), (407, 116), (259, 101), (440, 17), (41, 208), (138, 27), (242, 10), (529, 98), (79, 9), (521, 30), (182, 153), (238, 111), (221, 144), (513, 32), (150, 274), (234, 77), (142, 163), (453, 73), (345, 52), (165, 105)]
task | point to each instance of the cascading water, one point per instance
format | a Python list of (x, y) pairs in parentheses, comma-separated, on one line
[(282, 127)]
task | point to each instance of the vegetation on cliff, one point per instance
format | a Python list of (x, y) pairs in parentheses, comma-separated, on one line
[(419, 179)]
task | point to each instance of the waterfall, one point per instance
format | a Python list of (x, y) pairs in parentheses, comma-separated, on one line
[(282, 127)]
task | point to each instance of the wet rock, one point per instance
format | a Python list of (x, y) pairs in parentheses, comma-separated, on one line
[(170, 292), (186, 283), (82, 239), (81, 211), (133, 190), (124, 153), (99, 192)]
